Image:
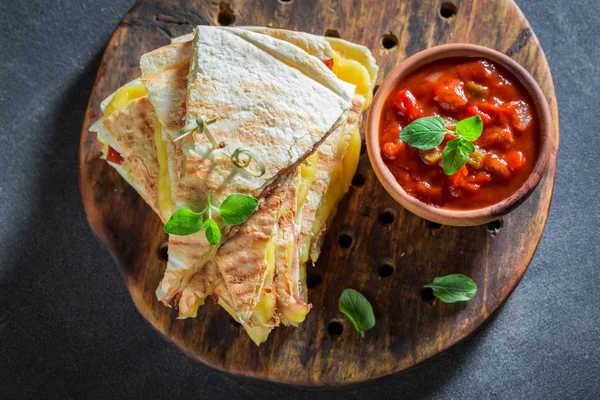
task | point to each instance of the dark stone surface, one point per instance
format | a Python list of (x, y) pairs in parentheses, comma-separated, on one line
[(69, 330)]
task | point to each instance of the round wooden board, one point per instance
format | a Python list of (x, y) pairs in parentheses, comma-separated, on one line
[(410, 328)]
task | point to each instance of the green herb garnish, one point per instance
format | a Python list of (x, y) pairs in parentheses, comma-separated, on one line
[(234, 210), (452, 288), (358, 309), (428, 132)]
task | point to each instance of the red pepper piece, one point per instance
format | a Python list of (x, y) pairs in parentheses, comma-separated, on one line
[(406, 104), (458, 179), (451, 96), (426, 190), (328, 63), (515, 160), (473, 110), (114, 156), (392, 149), (479, 178)]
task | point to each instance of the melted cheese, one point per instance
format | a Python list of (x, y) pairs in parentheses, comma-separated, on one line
[(265, 309), (124, 96), (356, 65), (165, 202), (353, 72), (308, 171)]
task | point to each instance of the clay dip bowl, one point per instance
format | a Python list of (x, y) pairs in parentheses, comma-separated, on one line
[(447, 216)]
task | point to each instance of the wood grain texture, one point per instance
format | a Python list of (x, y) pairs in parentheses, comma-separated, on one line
[(410, 328)]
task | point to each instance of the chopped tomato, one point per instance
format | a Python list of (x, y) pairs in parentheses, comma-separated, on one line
[(496, 136), (496, 166), (473, 110), (451, 96), (392, 149), (519, 115), (406, 104), (426, 190), (114, 156), (328, 63), (391, 132), (480, 70), (458, 179), (515, 160), (479, 178)]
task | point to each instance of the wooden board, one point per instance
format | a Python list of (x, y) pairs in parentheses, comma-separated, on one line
[(374, 246)]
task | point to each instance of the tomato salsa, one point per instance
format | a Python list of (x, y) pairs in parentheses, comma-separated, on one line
[(455, 89)]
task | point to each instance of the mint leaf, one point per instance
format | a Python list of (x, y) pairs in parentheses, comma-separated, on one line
[(358, 309), (213, 233), (453, 157), (424, 133), (452, 288), (470, 128), (184, 222), (236, 208)]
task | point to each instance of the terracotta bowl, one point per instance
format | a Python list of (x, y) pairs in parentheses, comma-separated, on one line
[(446, 216)]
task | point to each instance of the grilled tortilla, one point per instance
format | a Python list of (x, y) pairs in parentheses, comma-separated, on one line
[(127, 134), (165, 89)]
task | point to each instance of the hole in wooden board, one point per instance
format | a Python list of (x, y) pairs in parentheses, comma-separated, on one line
[(332, 33), (389, 41), (358, 180), (163, 252), (335, 329), (363, 146), (495, 226), (386, 270), (427, 295), (345, 240), (387, 216), (448, 9), (433, 225), (375, 89), (226, 16), (313, 280)]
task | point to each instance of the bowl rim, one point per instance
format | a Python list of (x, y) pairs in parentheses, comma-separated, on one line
[(451, 216)]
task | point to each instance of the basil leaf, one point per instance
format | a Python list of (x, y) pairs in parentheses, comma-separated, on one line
[(465, 145), (424, 133), (453, 157), (358, 309), (184, 222), (237, 208), (453, 144), (470, 128), (452, 288), (212, 232)]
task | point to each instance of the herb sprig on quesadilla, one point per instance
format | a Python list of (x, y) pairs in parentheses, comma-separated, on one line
[(234, 210), (241, 157)]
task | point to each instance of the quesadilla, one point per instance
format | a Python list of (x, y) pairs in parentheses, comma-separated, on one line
[(258, 273), (273, 95)]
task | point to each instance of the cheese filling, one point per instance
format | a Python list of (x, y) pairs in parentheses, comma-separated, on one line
[(165, 202)]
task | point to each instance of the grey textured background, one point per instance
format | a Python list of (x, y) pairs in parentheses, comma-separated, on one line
[(68, 328)]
